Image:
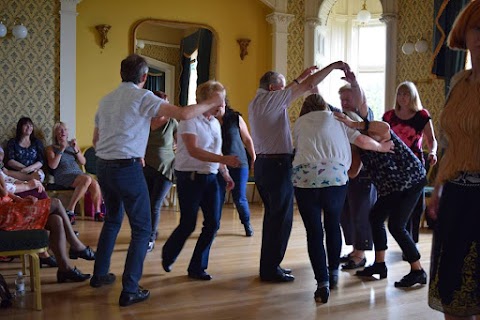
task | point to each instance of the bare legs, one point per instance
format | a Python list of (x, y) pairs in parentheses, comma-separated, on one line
[(81, 185), (61, 233)]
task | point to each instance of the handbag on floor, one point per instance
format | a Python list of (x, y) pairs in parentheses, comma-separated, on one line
[(5, 295)]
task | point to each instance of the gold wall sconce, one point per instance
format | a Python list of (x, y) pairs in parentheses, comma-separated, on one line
[(103, 31), (243, 43)]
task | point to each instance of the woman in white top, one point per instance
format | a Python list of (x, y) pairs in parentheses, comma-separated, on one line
[(320, 175)]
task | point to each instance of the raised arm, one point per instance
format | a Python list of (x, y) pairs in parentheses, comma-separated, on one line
[(184, 113), (378, 130), (357, 92), (312, 80)]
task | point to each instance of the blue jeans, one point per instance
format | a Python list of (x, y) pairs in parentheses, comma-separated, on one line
[(195, 191), (239, 193), (273, 178), (361, 197), (123, 186), (397, 207), (158, 187), (310, 203)]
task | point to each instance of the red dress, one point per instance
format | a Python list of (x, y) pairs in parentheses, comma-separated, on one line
[(23, 215)]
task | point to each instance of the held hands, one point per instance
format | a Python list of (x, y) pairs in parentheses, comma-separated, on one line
[(342, 117), (386, 146), (307, 72), (432, 159), (349, 76)]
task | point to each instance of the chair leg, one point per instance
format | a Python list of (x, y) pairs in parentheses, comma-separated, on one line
[(32, 271), (37, 284), (24, 264)]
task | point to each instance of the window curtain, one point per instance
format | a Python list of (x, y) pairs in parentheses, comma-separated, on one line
[(155, 80), (446, 62), (201, 40)]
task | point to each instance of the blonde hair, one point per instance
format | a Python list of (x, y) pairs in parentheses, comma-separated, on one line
[(207, 89), (415, 102), (57, 125), (466, 19), (313, 102)]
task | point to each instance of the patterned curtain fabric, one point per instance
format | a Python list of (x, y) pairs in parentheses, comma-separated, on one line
[(446, 62)]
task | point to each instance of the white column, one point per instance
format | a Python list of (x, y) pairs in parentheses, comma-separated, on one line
[(390, 19), (313, 41), (280, 22), (68, 63)]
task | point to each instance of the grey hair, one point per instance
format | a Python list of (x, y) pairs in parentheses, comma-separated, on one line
[(270, 77)]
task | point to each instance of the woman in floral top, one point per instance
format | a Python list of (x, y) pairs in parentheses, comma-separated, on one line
[(411, 122), (322, 159)]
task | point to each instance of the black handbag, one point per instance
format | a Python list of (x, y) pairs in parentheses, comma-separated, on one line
[(5, 295)]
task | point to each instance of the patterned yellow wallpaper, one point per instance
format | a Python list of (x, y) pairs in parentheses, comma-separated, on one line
[(416, 21), (295, 53), (29, 81), (168, 55)]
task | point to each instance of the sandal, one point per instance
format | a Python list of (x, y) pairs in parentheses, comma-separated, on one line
[(351, 264)]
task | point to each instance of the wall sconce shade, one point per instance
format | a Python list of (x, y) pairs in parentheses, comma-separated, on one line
[(243, 43), (19, 31), (3, 30), (421, 45), (408, 48), (103, 31), (364, 15)]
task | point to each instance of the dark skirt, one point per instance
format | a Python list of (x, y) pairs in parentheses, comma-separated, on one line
[(455, 262)]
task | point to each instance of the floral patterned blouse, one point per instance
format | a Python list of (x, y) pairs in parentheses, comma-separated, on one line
[(319, 175), (26, 156), (410, 131)]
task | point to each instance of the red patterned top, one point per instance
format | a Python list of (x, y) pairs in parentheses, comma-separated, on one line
[(410, 131)]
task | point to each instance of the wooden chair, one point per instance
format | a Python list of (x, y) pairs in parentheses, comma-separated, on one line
[(27, 243)]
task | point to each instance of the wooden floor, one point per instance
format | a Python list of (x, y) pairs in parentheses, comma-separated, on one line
[(235, 291)]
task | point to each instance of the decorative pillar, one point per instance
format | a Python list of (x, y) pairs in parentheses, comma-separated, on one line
[(68, 63), (390, 19), (313, 41), (280, 22)]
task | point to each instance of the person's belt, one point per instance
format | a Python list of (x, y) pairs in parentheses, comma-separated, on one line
[(274, 155), (122, 161)]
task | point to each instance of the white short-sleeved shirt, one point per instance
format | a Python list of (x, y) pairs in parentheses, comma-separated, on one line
[(322, 150), (269, 121), (123, 122), (209, 138)]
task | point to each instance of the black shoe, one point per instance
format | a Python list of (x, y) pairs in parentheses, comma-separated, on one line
[(87, 254), (200, 276), (71, 216), (127, 298), (73, 275), (48, 261), (76, 233), (411, 279), (345, 258), (97, 281), (100, 217), (376, 268), (286, 270), (333, 280), (248, 229), (283, 277), (351, 264), (166, 265), (322, 294)]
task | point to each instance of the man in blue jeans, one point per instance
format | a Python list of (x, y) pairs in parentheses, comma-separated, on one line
[(270, 128), (122, 125)]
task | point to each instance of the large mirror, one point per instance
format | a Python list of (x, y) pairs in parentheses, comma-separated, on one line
[(180, 56)]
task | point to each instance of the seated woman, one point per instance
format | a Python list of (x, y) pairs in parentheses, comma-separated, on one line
[(25, 151), (60, 229), (63, 158)]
